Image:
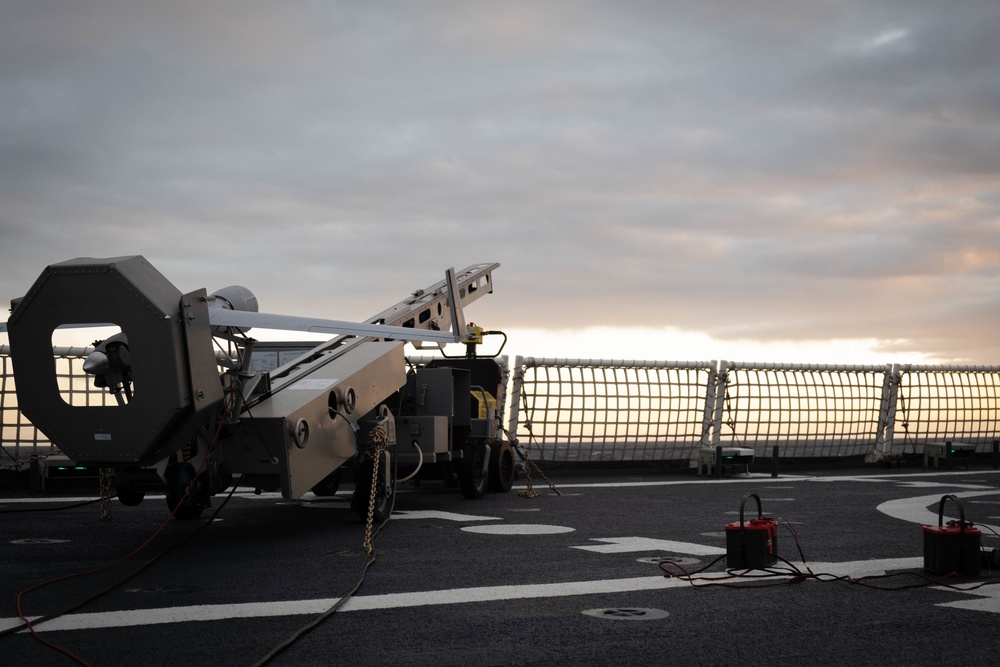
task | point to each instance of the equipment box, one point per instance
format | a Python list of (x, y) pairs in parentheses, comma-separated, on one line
[(953, 547), (751, 544)]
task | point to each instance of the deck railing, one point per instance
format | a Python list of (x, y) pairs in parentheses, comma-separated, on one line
[(620, 410), (600, 410)]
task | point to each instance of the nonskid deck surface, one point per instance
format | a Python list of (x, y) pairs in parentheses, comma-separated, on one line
[(568, 578)]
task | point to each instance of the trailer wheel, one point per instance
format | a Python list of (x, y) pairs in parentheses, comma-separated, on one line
[(502, 468), (183, 503), (129, 496), (472, 475), (328, 485)]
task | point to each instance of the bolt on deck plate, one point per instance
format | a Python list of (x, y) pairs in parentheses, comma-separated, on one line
[(627, 613), (676, 560)]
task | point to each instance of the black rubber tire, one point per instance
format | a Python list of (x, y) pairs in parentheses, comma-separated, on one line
[(472, 477), (328, 485), (184, 507), (502, 467), (129, 496), (184, 511)]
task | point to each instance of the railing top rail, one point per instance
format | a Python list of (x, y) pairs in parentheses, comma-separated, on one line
[(778, 366), (613, 363), (956, 368)]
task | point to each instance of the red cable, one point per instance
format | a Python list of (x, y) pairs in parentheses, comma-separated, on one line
[(20, 612)]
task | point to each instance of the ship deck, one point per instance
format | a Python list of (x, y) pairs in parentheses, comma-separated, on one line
[(574, 577)]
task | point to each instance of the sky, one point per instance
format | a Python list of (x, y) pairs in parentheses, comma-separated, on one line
[(768, 180)]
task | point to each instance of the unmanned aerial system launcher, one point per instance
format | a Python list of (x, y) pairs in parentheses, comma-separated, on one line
[(190, 412)]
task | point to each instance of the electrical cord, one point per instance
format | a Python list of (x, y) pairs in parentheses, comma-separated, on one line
[(420, 464), (131, 575), (318, 620), (117, 584), (52, 509), (313, 624), (256, 428), (737, 578), (339, 604), (29, 625), (354, 427)]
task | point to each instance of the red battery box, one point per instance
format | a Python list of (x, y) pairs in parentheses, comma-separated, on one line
[(751, 544), (952, 548)]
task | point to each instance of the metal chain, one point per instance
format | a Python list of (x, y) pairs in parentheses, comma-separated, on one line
[(17, 463), (731, 412), (377, 441), (530, 492), (906, 419), (105, 483)]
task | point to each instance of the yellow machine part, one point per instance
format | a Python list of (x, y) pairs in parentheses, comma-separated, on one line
[(484, 408)]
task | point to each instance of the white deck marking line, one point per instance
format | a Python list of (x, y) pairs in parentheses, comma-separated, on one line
[(865, 568), (915, 509), (673, 482), (618, 545), (898, 478), (916, 484), (987, 599), (218, 612), (756, 477), (437, 514)]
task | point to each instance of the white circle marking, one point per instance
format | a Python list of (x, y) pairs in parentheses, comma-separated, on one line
[(518, 529)]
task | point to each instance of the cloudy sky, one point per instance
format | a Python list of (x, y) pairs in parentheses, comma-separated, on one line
[(672, 180)]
